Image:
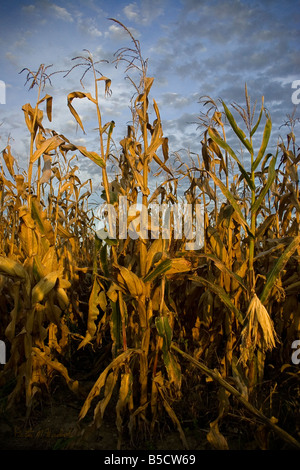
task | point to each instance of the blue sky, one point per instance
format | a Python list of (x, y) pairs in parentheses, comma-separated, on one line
[(194, 48)]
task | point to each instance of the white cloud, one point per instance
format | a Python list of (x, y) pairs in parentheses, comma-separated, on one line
[(88, 26), (118, 33), (93, 31), (145, 13), (62, 13), (130, 12)]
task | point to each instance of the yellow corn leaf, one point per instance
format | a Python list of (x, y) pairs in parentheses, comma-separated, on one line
[(9, 160), (52, 335), (43, 223), (107, 85), (48, 99), (24, 212), (56, 365), (44, 286), (215, 438), (47, 171), (179, 265), (33, 118), (100, 382), (148, 82), (49, 260), (112, 292), (92, 156), (19, 179), (102, 300), (170, 411), (47, 146), (12, 268), (53, 312), (165, 148), (94, 301), (130, 282), (217, 244), (155, 253), (78, 94), (62, 297), (124, 396), (108, 390), (10, 329)]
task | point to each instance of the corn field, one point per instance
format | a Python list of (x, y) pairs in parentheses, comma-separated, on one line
[(141, 330)]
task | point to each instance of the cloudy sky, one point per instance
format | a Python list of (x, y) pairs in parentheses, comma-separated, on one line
[(194, 47)]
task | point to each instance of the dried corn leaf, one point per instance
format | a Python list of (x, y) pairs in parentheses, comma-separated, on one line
[(46, 147), (131, 282), (160, 385), (125, 394), (12, 268), (33, 118), (92, 156), (56, 365), (78, 94), (94, 301), (100, 382), (155, 253), (49, 100), (10, 329), (279, 265), (223, 296), (108, 390), (215, 438), (179, 265), (9, 160), (44, 286), (107, 85)]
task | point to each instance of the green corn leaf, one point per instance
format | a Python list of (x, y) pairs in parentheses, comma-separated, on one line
[(165, 331), (239, 132), (160, 269), (92, 156), (220, 292), (43, 224), (216, 138), (279, 265), (258, 121), (115, 327), (223, 268), (104, 261), (265, 189), (232, 201), (264, 143)]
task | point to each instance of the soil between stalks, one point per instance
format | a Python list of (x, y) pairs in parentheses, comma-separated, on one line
[(51, 426)]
